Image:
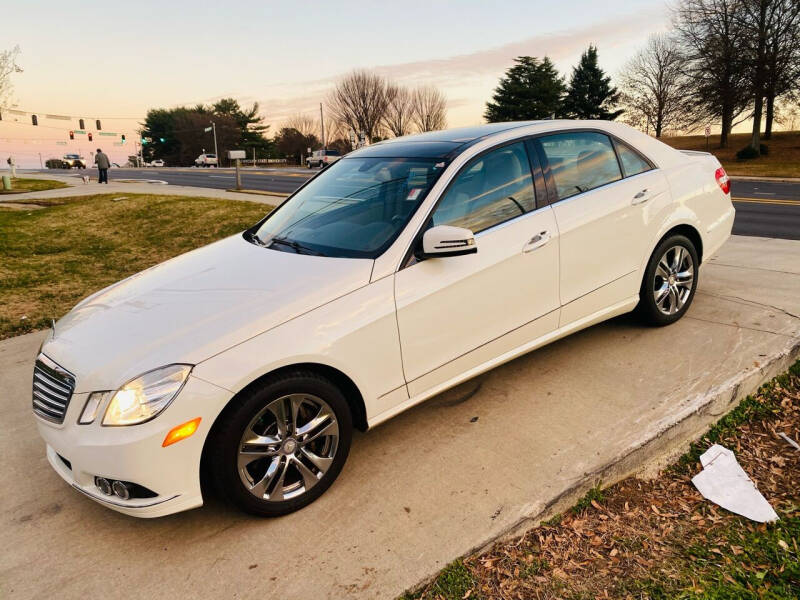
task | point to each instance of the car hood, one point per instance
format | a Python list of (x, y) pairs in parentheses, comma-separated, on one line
[(192, 307)]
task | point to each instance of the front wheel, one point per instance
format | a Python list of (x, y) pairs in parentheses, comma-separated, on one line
[(670, 281), (282, 445)]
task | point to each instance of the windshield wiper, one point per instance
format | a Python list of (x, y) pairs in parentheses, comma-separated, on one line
[(296, 246)]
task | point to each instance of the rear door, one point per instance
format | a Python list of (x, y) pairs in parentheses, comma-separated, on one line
[(457, 313), (602, 192)]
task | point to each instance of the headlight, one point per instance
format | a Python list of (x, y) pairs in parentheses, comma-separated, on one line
[(143, 398)]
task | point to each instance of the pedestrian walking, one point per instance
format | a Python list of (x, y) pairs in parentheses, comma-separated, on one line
[(102, 162), (12, 164)]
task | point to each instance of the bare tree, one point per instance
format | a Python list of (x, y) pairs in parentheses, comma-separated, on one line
[(651, 84), (8, 67), (782, 77), (429, 108), (788, 115), (359, 101), (712, 39), (303, 123), (399, 111)]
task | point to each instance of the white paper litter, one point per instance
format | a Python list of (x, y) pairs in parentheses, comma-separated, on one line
[(724, 482)]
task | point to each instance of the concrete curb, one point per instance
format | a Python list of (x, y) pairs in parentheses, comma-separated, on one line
[(659, 446)]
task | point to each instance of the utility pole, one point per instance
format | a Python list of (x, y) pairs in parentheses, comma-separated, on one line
[(322, 124), (41, 165), (214, 129)]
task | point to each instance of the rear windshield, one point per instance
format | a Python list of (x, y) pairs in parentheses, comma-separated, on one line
[(355, 208), (332, 153), (211, 156)]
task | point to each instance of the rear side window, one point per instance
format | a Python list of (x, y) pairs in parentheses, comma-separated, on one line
[(580, 161), (493, 188), (632, 162)]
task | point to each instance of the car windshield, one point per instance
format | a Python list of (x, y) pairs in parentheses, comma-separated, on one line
[(72, 156), (355, 208)]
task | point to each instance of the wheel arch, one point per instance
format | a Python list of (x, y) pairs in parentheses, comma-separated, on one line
[(683, 228), (690, 232), (350, 390)]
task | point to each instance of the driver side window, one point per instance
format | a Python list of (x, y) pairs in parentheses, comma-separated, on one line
[(493, 188)]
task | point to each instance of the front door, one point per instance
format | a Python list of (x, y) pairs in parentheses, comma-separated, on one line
[(458, 313)]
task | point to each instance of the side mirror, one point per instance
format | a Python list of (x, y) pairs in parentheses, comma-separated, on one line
[(444, 240)]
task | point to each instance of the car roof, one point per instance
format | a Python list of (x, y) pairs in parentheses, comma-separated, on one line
[(437, 144)]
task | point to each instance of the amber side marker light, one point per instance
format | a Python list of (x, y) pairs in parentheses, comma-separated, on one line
[(181, 432)]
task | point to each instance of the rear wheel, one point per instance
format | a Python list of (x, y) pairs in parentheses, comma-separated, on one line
[(282, 445), (670, 281)]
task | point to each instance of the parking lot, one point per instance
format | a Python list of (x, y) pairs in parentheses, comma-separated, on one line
[(434, 483)]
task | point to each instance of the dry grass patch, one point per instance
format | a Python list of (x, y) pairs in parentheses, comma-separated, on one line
[(63, 249), (19, 184), (783, 159)]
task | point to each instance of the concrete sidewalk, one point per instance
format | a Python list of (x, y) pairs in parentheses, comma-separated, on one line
[(432, 484), (78, 188)]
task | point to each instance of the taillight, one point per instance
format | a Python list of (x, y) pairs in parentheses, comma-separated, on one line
[(723, 180)]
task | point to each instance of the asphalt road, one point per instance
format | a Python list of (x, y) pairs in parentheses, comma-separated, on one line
[(763, 208)]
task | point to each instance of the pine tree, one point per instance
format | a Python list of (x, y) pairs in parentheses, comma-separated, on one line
[(529, 90), (590, 94)]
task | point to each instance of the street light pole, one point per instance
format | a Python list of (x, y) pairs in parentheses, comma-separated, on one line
[(214, 129), (322, 124)]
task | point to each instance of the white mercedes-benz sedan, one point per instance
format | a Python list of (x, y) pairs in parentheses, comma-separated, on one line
[(401, 270)]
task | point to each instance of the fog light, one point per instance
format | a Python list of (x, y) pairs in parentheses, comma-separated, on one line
[(122, 490), (103, 485)]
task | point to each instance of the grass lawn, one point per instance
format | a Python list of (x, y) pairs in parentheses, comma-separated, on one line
[(57, 251), (659, 539), (33, 185), (783, 159)]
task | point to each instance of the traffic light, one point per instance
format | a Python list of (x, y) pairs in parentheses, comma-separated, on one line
[(98, 125), (80, 122), (34, 119), (162, 140), (144, 141), (90, 136), (72, 135), (123, 138)]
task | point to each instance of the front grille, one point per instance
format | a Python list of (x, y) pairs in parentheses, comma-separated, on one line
[(52, 389)]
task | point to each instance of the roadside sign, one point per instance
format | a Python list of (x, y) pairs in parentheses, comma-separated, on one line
[(232, 154), (708, 131), (80, 131), (207, 129), (107, 133)]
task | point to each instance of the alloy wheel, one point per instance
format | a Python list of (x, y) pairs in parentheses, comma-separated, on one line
[(288, 447), (674, 280)]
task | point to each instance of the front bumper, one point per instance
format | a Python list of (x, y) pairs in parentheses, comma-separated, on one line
[(134, 453)]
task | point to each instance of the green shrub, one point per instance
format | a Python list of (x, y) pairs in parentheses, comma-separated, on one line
[(750, 152)]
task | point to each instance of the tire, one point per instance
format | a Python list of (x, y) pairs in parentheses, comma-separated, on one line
[(670, 281), (280, 474)]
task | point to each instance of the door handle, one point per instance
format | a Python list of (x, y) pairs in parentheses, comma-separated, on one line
[(640, 197), (537, 241)]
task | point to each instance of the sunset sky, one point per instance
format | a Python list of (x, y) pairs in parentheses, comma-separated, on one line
[(113, 60)]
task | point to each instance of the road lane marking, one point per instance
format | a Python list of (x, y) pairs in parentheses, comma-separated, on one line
[(768, 201), (222, 176)]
